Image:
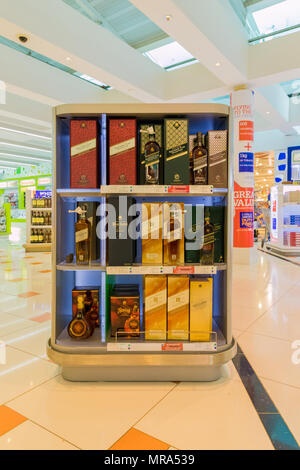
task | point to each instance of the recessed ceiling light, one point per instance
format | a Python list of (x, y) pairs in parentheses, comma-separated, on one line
[(218, 64), (270, 172), (68, 59), (268, 112), (168, 17)]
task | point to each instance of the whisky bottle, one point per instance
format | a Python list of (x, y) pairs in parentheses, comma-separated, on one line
[(174, 237), (41, 236), (207, 251), (79, 327), (199, 160), (152, 158), (82, 236)]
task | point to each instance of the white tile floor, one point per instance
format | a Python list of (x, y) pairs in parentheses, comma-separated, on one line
[(64, 415)]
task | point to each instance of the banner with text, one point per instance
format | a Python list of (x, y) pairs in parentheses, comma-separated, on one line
[(242, 102)]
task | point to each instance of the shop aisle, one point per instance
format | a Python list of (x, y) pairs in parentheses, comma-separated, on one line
[(39, 410)]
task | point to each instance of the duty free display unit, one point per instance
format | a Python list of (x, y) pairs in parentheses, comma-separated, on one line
[(135, 357)]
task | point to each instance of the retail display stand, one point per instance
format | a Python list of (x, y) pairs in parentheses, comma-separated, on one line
[(101, 357), (5, 219), (285, 219), (38, 221)]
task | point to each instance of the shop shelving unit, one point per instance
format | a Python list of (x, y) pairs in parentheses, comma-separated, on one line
[(35, 247), (102, 358), (285, 219)]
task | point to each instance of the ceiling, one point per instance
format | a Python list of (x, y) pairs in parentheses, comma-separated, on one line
[(77, 48)]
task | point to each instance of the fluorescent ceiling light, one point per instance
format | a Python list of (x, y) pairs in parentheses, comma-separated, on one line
[(297, 129), (170, 56), (90, 79), (19, 163), (31, 134), (25, 147), (8, 155), (278, 16)]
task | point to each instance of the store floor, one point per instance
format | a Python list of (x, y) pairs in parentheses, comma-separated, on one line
[(39, 410)]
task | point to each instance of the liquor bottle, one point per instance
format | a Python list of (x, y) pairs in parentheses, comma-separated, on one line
[(173, 233), (82, 236), (152, 158), (36, 237), (79, 327), (199, 160), (41, 236), (34, 202), (207, 251), (93, 314), (32, 236)]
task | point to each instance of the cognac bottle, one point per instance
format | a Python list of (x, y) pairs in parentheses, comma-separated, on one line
[(199, 160), (207, 251), (93, 314), (79, 327)]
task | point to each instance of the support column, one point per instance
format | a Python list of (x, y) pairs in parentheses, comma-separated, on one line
[(242, 102)]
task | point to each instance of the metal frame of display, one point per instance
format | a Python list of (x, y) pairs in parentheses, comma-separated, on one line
[(94, 359)]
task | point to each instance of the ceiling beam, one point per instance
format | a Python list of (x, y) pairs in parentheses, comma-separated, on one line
[(58, 31)]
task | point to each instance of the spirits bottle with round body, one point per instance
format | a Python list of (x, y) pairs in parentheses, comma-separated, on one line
[(199, 160), (79, 327)]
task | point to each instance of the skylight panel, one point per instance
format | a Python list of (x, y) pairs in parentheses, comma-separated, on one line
[(279, 16), (170, 56)]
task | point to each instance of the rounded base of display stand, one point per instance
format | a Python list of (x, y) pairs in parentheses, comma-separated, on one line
[(140, 367)]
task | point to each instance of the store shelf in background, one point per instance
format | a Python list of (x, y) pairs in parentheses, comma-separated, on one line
[(93, 343), (49, 227), (93, 266), (49, 209), (36, 247), (187, 269)]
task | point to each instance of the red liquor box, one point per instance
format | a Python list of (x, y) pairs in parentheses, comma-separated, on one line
[(84, 158), (122, 151)]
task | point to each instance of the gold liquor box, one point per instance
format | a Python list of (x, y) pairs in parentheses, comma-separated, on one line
[(176, 160), (178, 307), (173, 233), (201, 305), (155, 308), (152, 244)]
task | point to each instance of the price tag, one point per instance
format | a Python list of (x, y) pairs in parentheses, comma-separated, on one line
[(179, 189), (184, 270), (172, 347)]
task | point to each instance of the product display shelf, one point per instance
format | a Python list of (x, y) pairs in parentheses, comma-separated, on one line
[(94, 359), (285, 207), (29, 246)]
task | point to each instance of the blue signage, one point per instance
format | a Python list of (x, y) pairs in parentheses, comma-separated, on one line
[(246, 220), (43, 194), (246, 162)]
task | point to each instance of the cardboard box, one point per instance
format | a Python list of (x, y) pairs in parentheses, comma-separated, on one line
[(217, 147), (152, 244), (152, 158), (176, 153), (178, 307), (122, 249), (84, 156), (201, 304), (125, 313), (155, 307), (173, 233), (122, 151)]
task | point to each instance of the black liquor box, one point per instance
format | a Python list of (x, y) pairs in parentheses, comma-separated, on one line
[(176, 158), (143, 139), (217, 147), (121, 246)]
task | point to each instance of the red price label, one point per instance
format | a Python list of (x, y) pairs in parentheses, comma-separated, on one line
[(179, 189), (184, 270), (172, 347)]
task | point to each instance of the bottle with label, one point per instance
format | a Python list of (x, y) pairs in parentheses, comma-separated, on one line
[(200, 160), (34, 202), (207, 251), (152, 158), (82, 236), (41, 236), (79, 327), (174, 234)]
